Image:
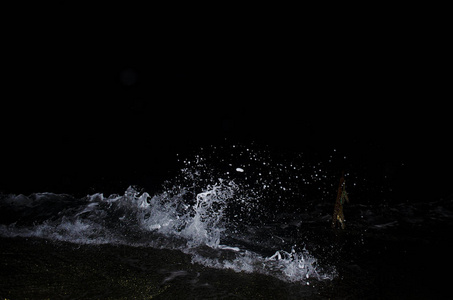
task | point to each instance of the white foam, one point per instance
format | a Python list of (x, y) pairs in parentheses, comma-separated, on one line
[(113, 219), (225, 247), (288, 266)]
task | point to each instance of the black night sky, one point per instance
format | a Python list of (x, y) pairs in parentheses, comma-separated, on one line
[(87, 109)]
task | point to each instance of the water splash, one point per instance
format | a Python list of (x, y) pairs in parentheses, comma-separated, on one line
[(207, 224), (207, 211)]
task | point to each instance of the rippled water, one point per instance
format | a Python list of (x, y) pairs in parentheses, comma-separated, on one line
[(240, 209)]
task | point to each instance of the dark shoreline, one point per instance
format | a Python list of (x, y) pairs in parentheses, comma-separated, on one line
[(409, 264), (38, 269)]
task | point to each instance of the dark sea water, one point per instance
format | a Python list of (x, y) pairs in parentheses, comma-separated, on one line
[(234, 222)]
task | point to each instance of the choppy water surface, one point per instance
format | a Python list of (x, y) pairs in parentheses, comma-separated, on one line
[(233, 208)]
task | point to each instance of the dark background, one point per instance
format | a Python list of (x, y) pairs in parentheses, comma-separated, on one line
[(97, 108)]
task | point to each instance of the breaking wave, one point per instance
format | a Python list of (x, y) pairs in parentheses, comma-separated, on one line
[(229, 207), (218, 216), (165, 220)]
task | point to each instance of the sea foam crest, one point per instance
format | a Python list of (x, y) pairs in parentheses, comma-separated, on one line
[(207, 225), (211, 219)]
